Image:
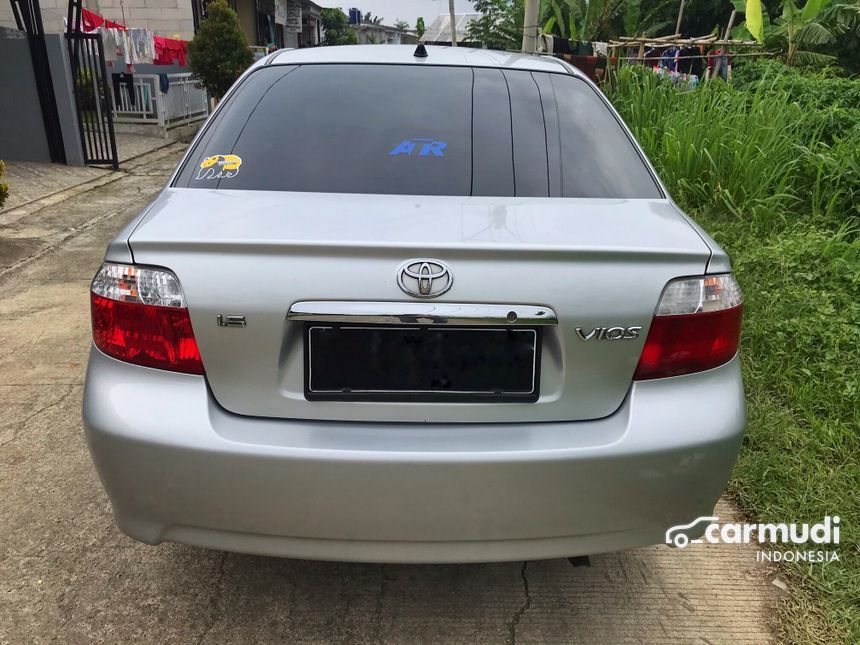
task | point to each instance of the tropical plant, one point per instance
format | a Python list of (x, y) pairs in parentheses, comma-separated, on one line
[(500, 24), (219, 52), (4, 188), (588, 20), (370, 19), (581, 19), (798, 32), (336, 27), (402, 25)]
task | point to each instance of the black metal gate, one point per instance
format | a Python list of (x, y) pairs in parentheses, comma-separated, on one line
[(89, 72)]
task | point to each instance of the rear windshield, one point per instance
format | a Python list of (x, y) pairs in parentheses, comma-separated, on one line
[(417, 130)]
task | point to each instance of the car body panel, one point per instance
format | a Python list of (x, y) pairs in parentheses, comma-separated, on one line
[(189, 471)]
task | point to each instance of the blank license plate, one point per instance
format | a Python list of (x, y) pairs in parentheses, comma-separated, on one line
[(421, 363)]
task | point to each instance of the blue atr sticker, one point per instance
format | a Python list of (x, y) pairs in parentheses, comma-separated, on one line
[(426, 147)]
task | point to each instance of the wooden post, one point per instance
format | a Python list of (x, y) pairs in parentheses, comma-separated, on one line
[(724, 47), (680, 17)]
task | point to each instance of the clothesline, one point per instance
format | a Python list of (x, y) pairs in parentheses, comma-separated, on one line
[(741, 55), (163, 51)]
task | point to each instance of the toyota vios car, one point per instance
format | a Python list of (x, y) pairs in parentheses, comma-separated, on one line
[(403, 308)]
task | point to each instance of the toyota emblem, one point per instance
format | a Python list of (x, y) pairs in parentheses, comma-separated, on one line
[(423, 278)]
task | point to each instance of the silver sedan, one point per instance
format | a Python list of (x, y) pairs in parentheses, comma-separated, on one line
[(403, 308)]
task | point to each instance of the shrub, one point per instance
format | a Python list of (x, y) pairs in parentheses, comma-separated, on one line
[(4, 188), (337, 29), (219, 52)]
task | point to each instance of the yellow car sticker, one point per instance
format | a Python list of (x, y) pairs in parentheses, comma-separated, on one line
[(219, 167)]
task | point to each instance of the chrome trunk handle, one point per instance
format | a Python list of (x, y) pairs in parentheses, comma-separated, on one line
[(421, 313)]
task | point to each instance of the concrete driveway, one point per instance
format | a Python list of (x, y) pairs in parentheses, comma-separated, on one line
[(67, 574)]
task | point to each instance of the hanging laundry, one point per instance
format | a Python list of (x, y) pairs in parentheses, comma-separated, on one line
[(684, 81), (123, 91), (142, 46), (170, 50), (690, 61), (91, 21)]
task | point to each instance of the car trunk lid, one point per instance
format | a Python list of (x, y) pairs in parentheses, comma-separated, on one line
[(595, 263)]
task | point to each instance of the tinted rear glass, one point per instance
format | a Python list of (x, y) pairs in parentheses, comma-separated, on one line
[(417, 130)]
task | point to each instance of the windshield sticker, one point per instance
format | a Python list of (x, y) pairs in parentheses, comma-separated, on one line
[(425, 147), (219, 167)]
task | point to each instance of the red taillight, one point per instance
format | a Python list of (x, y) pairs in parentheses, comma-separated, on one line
[(691, 343), (697, 327), (152, 335)]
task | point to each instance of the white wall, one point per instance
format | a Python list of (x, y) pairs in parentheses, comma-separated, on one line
[(168, 18)]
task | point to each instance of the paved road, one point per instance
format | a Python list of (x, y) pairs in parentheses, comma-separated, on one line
[(66, 573)]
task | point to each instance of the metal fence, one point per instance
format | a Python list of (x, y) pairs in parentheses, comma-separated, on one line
[(86, 54), (163, 100)]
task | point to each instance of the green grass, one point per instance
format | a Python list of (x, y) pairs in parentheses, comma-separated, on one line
[(775, 178)]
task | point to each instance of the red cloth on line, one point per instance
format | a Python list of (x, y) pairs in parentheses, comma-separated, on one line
[(92, 21), (170, 50)]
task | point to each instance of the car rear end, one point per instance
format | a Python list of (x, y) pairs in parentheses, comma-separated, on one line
[(425, 313)]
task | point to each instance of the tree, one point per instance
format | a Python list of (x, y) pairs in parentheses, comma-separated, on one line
[(370, 19), (798, 31), (219, 52), (419, 26), (402, 25), (588, 20), (499, 26), (336, 27)]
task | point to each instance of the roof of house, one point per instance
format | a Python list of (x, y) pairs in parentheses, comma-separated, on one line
[(404, 54), (369, 26), (440, 30)]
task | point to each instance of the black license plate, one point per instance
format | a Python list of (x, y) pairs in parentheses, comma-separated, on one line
[(351, 362)]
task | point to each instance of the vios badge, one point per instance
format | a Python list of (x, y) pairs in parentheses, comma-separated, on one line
[(424, 278)]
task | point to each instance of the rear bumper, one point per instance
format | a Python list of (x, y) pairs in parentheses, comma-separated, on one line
[(178, 467)]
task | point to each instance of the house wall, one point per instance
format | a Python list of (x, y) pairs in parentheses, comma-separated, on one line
[(22, 129), (22, 132), (168, 18)]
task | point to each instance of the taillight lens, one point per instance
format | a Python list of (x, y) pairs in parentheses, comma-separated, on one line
[(139, 316), (697, 327)]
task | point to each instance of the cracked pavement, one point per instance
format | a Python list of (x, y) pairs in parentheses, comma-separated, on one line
[(67, 574)]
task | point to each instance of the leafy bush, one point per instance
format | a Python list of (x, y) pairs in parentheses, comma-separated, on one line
[(337, 29), (819, 90), (4, 188), (219, 52), (772, 169)]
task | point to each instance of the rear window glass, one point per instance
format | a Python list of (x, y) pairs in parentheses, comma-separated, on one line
[(417, 130)]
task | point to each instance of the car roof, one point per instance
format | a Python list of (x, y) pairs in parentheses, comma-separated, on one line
[(404, 54)]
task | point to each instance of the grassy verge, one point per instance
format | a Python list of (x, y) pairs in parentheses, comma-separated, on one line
[(774, 177)]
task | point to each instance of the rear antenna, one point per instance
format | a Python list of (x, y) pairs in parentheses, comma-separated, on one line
[(420, 51)]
